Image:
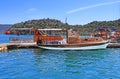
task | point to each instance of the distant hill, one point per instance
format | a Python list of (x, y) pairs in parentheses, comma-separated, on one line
[(42, 23), (4, 27), (90, 27), (82, 29)]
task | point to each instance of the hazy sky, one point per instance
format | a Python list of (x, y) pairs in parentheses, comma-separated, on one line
[(76, 11)]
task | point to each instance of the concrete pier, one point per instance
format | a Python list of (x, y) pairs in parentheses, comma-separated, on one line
[(114, 45), (6, 46)]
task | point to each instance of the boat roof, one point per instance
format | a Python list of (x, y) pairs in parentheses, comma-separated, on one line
[(51, 29), (20, 28)]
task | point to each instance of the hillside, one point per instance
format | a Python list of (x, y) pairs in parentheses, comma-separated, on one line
[(52, 23), (42, 23)]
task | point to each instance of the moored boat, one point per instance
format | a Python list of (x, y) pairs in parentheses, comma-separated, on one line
[(53, 39), (108, 34)]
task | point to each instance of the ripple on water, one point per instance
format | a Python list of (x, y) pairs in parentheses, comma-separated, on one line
[(48, 64)]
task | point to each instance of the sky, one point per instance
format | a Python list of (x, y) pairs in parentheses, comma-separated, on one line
[(76, 11)]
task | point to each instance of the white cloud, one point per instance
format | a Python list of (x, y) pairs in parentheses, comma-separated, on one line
[(32, 9), (91, 6)]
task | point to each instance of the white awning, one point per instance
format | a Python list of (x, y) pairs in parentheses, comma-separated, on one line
[(51, 29), (21, 28)]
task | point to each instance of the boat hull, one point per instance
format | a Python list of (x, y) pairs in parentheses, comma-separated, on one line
[(75, 47)]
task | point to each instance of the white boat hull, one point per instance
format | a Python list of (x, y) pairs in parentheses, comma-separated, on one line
[(103, 46)]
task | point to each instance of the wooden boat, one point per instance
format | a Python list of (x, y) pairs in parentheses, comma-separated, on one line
[(71, 40)]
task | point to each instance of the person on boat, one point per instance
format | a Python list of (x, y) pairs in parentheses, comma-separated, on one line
[(18, 33)]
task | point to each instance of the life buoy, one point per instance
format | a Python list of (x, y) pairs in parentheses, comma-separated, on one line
[(7, 32)]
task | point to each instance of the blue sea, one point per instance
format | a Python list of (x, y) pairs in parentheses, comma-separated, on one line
[(35, 63)]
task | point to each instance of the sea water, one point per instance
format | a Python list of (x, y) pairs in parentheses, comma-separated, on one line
[(48, 64)]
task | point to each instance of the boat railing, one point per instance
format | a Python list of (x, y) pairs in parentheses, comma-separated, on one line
[(20, 40)]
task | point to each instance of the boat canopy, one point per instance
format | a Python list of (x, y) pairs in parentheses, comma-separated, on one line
[(20, 28), (51, 29)]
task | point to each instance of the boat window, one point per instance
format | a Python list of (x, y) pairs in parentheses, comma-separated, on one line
[(86, 39), (96, 39), (53, 43)]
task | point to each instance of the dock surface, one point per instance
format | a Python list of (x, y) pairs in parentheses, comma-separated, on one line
[(6, 46), (114, 45)]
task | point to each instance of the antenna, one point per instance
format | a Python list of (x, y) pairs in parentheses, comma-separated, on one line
[(66, 20)]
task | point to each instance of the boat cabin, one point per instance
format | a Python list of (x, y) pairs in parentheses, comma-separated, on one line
[(48, 36)]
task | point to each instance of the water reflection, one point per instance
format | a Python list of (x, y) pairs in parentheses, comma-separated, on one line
[(76, 61), (67, 61), (49, 60)]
